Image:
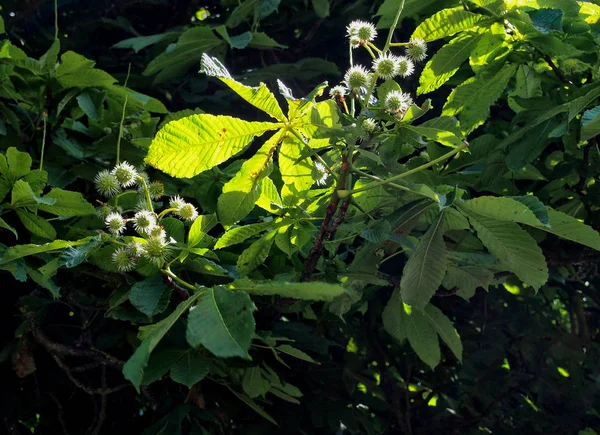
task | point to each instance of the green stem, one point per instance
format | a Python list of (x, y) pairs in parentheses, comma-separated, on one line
[(399, 44), (114, 201), (373, 177), (127, 192), (374, 47), (116, 242), (394, 24), (317, 156), (122, 119), (412, 171), (45, 118), (186, 284), (371, 89), (56, 20), (165, 212), (370, 51), (121, 131), (343, 239), (146, 192), (391, 256)]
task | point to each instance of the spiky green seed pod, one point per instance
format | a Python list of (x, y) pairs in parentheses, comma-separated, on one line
[(157, 250), (126, 174), (188, 212), (115, 223), (107, 184), (123, 260)]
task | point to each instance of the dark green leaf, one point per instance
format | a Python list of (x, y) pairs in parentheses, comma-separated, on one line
[(222, 322), (190, 369), (150, 296), (426, 267)]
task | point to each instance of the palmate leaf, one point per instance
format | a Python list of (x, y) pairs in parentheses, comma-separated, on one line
[(422, 336), (222, 322), (262, 41), (514, 247), (192, 145), (19, 164), (241, 193), (446, 61), (537, 118), (467, 279), (444, 137), (567, 227), (260, 97), (590, 123), (37, 225), (269, 198), (506, 209), (491, 47), (190, 369), (140, 42), (590, 12), (392, 317), (255, 254), (592, 91), (4, 225), (22, 195), (190, 47), (473, 98), (296, 172), (536, 206), (237, 235), (298, 108), (310, 291), (530, 146), (253, 383), (421, 328), (446, 22), (443, 326), (296, 353), (75, 71), (531, 211), (199, 229), (20, 251), (160, 362), (67, 203), (150, 296), (425, 269), (324, 114), (151, 335), (255, 407)]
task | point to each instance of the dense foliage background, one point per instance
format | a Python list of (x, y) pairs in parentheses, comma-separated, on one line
[(517, 80)]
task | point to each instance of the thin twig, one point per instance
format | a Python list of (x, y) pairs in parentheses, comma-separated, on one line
[(61, 349), (85, 367), (557, 72), (407, 414), (102, 414), (61, 413), (45, 118), (85, 388), (577, 310), (122, 118)]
